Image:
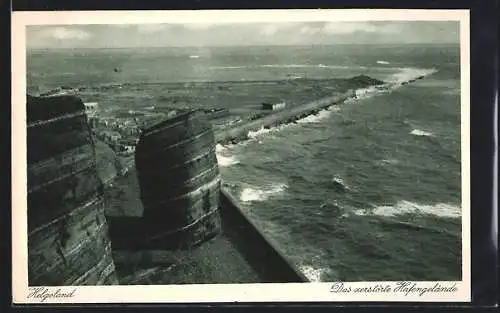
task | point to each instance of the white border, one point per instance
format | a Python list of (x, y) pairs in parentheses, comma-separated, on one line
[(289, 292)]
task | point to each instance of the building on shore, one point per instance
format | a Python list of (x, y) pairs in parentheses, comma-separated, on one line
[(110, 136), (91, 108)]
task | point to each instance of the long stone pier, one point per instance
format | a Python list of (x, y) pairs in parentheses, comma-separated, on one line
[(289, 115)]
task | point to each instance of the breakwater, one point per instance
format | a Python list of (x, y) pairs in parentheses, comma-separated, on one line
[(240, 131), (256, 247), (359, 86)]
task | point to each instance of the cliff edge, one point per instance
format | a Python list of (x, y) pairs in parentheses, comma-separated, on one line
[(68, 241), (108, 164)]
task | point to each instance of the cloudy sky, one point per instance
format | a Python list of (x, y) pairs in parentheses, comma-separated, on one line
[(239, 34)]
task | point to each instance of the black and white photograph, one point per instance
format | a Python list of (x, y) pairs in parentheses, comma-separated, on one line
[(221, 151)]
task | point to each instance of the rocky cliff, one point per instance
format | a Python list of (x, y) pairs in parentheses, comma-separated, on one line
[(179, 180), (68, 240), (109, 165)]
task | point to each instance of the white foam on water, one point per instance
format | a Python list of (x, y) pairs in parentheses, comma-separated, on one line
[(419, 132), (220, 148), (339, 181), (252, 194), (388, 161), (408, 73), (408, 207), (224, 160), (259, 132), (394, 81), (363, 93), (313, 274), (312, 118), (263, 131), (382, 62)]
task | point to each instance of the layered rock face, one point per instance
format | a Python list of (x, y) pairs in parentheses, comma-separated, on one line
[(179, 181), (68, 241)]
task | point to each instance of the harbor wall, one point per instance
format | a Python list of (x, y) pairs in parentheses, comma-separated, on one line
[(257, 249), (254, 247), (287, 115)]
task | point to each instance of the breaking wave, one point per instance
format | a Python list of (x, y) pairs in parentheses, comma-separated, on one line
[(394, 81), (321, 115), (260, 132), (222, 159), (365, 93), (419, 132), (312, 118), (251, 194), (387, 161), (382, 62), (226, 161), (313, 274), (265, 130), (407, 207), (339, 184), (220, 148), (409, 73)]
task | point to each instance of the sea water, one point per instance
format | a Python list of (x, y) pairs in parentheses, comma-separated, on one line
[(366, 190)]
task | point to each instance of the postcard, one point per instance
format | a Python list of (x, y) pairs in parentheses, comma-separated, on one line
[(241, 156)]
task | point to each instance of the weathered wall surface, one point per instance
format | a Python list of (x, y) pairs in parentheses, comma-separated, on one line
[(179, 180), (68, 240)]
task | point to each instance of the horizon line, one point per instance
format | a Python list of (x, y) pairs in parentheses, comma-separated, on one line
[(241, 46)]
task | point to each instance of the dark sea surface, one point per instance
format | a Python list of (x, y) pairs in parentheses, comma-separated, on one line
[(366, 190)]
